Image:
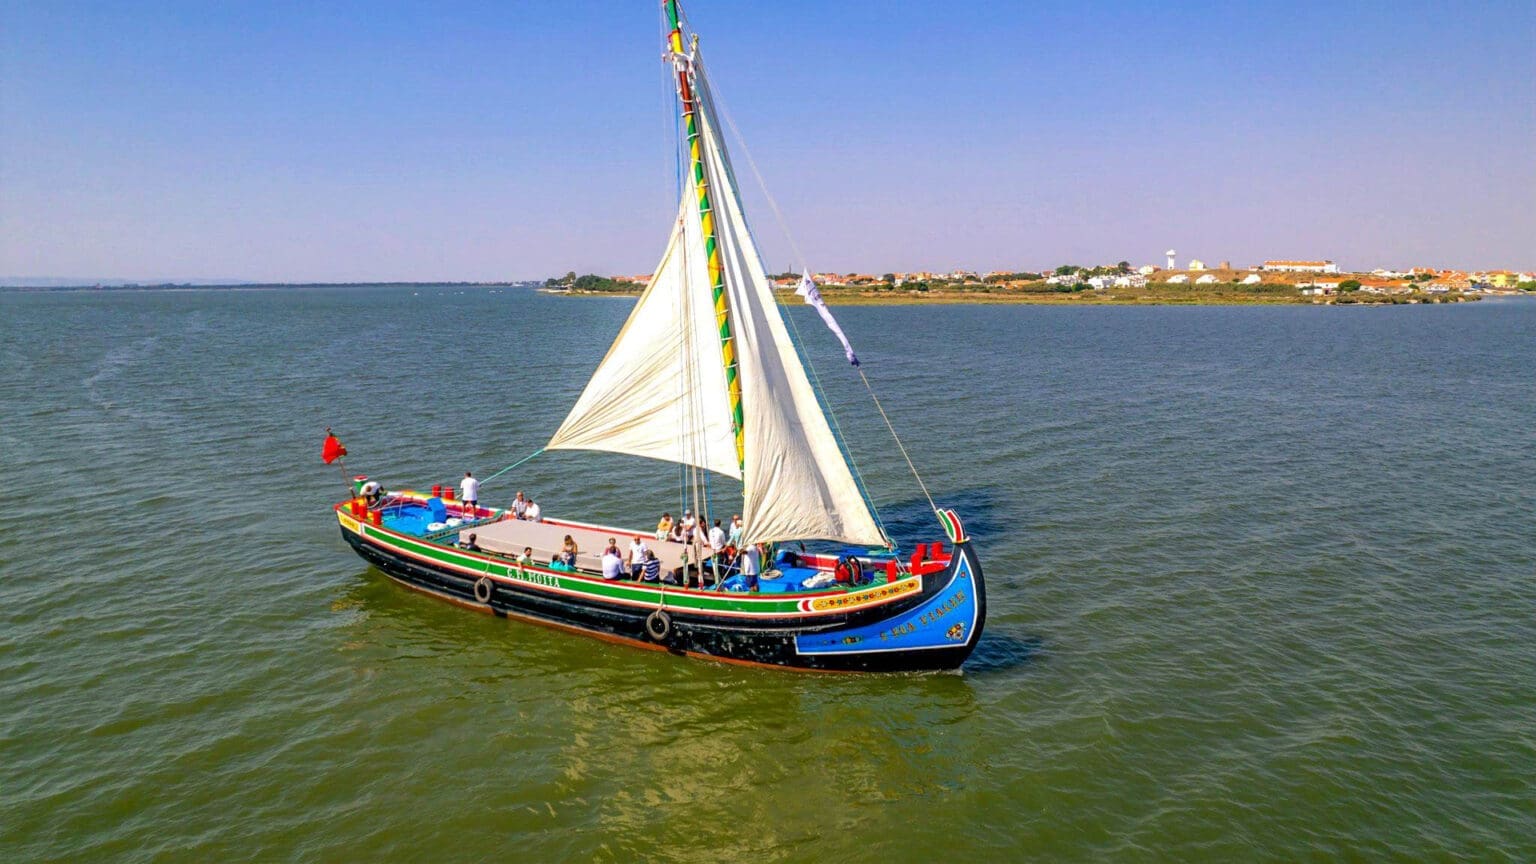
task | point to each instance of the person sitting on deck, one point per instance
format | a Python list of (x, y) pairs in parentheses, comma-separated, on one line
[(664, 527), (469, 493), (613, 563), (519, 506), (533, 513), (689, 523), (527, 557), (568, 552), (637, 552), (676, 535), (652, 570), (470, 544)]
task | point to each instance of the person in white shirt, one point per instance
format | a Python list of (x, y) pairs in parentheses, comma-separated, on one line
[(469, 493), (717, 538), (613, 565), (751, 564), (689, 523), (534, 514), (733, 536), (519, 506), (637, 550)]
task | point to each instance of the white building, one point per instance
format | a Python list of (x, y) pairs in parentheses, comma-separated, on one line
[(1302, 266), (1180, 279), (1133, 280), (1207, 279), (1251, 279), (1196, 264), (1146, 269)]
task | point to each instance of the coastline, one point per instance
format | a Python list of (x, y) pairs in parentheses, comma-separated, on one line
[(1172, 296)]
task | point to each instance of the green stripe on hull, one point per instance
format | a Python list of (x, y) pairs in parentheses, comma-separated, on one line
[(759, 605)]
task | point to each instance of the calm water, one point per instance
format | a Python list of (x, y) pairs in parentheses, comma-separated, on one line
[(1263, 588)]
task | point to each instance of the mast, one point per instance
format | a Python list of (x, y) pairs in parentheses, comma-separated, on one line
[(687, 96)]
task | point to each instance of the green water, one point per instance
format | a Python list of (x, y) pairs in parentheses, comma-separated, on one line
[(1261, 588)]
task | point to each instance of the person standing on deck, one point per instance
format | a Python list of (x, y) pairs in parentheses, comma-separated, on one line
[(751, 564), (716, 539), (733, 536), (637, 551), (469, 493), (519, 506)]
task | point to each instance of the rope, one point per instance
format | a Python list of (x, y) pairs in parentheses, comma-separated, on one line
[(897, 439), (510, 467)]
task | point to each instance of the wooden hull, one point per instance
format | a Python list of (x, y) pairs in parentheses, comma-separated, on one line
[(923, 622)]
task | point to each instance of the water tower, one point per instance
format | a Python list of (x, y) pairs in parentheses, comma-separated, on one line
[(1171, 265)]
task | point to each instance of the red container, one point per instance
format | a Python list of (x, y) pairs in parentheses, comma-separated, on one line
[(376, 517), (447, 493), (437, 491)]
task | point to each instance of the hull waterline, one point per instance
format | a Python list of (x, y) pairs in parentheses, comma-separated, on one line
[(925, 623)]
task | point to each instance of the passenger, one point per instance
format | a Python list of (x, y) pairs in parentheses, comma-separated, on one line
[(734, 534), (637, 551), (469, 493), (613, 563), (470, 544), (677, 533), (372, 492), (652, 569), (568, 552), (519, 506), (689, 523), (533, 513), (716, 539), (664, 527), (751, 564), (527, 557)]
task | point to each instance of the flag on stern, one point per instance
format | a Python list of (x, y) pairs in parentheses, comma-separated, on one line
[(812, 296), (331, 450)]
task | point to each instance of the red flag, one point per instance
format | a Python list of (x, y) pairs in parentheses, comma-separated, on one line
[(331, 450)]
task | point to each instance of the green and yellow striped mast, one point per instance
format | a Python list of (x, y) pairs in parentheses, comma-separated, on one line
[(687, 96)]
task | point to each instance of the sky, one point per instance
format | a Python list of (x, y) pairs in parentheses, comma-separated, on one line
[(420, 141)]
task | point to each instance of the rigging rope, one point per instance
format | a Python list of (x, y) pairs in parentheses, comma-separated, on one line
[(778, 216), (897, 438), (513, 465)]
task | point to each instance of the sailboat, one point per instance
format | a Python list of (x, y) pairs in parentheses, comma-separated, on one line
[(707, 355)]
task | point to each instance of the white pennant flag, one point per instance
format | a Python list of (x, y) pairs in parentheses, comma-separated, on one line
[(812, 296)]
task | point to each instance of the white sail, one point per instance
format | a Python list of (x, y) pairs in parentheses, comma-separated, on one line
[(660, 391), (796, 483)]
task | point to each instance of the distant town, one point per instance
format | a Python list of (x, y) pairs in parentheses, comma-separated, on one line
[(1273, 281)]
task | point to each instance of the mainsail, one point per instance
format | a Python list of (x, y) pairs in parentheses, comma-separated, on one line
[(662, 389)]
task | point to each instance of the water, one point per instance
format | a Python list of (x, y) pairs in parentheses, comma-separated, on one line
[(1261, 584)]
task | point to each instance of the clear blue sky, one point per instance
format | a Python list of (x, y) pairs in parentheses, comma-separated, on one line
[(442, 140)]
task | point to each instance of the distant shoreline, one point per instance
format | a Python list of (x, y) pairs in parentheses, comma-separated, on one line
[(1170, 296), (256, 286)]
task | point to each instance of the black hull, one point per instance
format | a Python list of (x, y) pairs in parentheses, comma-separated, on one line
[(782, 643)]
